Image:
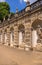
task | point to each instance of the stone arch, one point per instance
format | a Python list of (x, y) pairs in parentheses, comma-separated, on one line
[(36, 32), (11, 29), (21, 29), (36, 23), (5, 30), (11, 36)]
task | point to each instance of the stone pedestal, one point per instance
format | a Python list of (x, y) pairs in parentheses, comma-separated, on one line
[(39, 47)]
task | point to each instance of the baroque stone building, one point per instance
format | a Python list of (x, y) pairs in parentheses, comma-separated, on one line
[(24, 29)]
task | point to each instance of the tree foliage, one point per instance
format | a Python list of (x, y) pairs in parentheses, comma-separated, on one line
[(4, 10)]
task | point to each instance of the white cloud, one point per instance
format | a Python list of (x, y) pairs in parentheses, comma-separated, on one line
[(2, 0), (26, 0), (23, 0)]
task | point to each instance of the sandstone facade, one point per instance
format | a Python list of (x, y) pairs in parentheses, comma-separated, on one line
[(24, 29)]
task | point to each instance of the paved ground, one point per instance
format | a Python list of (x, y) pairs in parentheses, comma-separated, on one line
[(11, 56)]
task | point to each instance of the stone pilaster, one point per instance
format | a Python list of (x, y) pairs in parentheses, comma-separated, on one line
[(28, 34), (0, 38), (16, 35), (12, 38), (8, 37), (3, 37)]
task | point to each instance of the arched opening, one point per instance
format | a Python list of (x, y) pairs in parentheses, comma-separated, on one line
[(21, 29), (11, 36), (36, 32), (5, 36)]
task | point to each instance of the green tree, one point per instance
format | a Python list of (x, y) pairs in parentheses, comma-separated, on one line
[(4, 10)]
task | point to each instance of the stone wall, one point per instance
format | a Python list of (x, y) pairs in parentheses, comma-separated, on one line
[(26, 20)]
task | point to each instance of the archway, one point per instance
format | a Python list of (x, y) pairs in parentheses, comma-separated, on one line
[(21, 29), (11, 36), (36, 32)]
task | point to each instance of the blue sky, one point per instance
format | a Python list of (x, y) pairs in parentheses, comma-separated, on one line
[(20, 4)]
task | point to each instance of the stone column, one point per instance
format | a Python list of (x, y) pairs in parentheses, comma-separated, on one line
[(20, 38), (16, 35), (0, 38), (34, 38), (3, 37), (28, 34), (8, 37), (11, 38)]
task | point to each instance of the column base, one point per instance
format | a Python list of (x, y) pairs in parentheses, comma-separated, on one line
[(39, 47), (24, 47), (34, 48), (21, 48), (11, 45), (27, 48), (6, 44)]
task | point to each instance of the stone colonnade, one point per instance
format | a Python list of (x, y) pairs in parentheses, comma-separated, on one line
[(19, 35), (10, 36), (16, 36)]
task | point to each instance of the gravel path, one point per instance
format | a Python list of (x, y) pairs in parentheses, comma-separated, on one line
[(11, 56)]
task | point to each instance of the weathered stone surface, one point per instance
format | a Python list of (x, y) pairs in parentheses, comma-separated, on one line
[(25, 22)]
